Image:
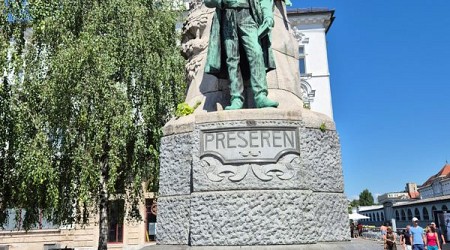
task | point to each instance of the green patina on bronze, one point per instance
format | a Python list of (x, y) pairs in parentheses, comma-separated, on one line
[(242, 27)]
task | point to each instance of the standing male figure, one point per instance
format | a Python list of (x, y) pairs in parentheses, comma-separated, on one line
[(383, 230), (242, 25), (405, 240), (417, 235)]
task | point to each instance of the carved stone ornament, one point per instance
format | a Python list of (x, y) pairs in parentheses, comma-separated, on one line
[(215, 171), (308, 93), (301, 38)]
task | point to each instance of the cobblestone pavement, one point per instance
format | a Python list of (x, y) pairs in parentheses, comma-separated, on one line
[(355, 244), (370, 244)]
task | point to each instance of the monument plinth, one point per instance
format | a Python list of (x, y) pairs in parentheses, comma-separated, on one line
[(250, 176), (272, 178)]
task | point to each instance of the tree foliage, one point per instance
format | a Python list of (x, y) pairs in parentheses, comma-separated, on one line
[(354, 203), (88, 86), (366, 198)]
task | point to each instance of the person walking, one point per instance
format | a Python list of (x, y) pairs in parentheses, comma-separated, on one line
[(440, 235), (389, 242), (352, 229), (405, 239), (383, 230), (360, 229), (432, 240), (417, 235)]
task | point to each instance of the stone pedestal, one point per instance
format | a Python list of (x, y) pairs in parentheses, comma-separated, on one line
[(251, 177)]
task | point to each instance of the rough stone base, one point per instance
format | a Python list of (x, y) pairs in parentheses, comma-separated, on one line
[(330, 217), (252, 218), (346, 245), (173, 222), (297, 200)]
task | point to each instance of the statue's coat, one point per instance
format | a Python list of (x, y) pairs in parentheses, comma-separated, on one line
[(215, 61)]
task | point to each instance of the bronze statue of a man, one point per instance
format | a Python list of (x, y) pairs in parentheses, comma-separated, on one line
[(242, 26)]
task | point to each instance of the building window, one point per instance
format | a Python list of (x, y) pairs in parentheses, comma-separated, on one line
[(397, 215), (426, 216), (433, 208), (410, 216), (302, 60), (150, 218), (417, 213), (403, 215), (382, 216), (115, 220), (17, 216), (15, 219), (378, 217)]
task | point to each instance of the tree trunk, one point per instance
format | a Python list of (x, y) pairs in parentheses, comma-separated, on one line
[(103, 209)]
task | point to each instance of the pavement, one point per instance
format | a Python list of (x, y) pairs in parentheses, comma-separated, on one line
[(354, 244)]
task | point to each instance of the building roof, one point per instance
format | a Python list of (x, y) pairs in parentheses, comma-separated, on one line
[(369, 208), (309, 10), (392, 197), (427, 200), (444, 173), (405, 203)]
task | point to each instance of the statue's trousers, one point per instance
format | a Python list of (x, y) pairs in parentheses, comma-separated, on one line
[(239, 28)]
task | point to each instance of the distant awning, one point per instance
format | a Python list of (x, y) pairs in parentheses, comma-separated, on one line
[(356, 216)]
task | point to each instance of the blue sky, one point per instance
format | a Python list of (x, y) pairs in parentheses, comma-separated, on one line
[(389, 64)]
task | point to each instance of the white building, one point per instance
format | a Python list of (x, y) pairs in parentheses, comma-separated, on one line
[(392, 196), (437, 185), (425, 202), (310, 27)]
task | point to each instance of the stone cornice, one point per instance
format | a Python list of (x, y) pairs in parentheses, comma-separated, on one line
[(325, 19)]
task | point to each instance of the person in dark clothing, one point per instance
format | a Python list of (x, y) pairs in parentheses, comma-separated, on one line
[(352, 229), (360, 229), (405, 239)]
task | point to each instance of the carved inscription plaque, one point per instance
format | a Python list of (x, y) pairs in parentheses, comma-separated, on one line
[(246, 145)]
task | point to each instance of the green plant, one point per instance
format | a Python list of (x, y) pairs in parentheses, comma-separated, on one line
[(323, 127), (183, 109), (83, 124)]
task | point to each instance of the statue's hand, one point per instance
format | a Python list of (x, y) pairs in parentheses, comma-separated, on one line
[(268, 22), (265, 27)]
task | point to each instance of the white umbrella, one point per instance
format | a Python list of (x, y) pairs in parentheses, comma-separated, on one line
[(356, 216)]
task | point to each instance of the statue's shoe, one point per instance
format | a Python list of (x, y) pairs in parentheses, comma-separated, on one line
[(264, 102), (235, 104)]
